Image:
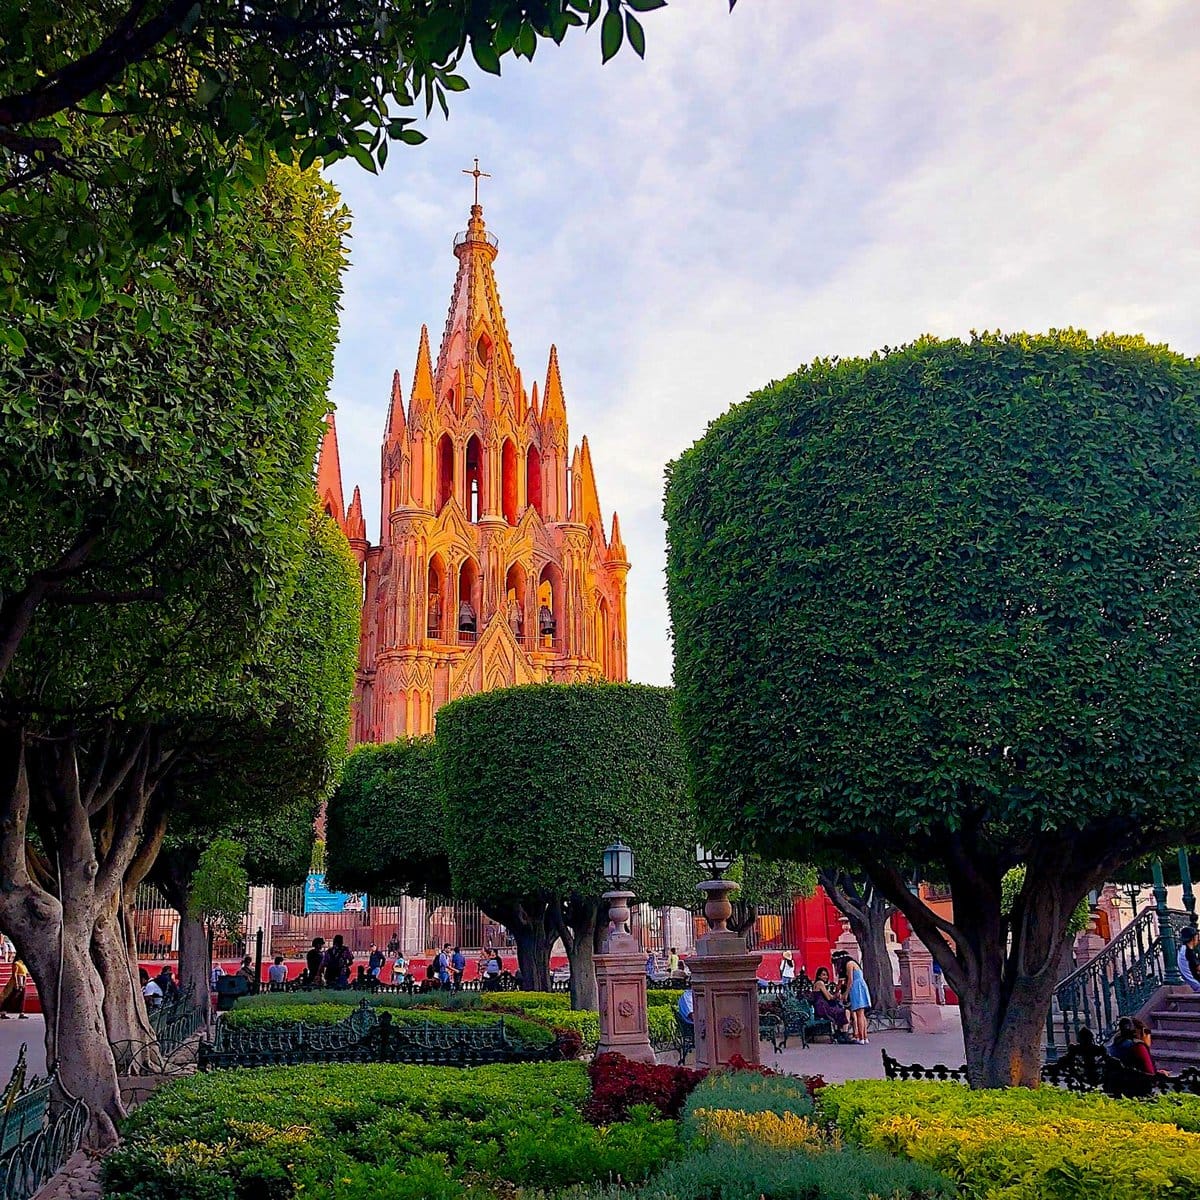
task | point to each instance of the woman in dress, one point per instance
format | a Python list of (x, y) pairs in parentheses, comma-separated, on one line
[(858, 999), (826, 1002)]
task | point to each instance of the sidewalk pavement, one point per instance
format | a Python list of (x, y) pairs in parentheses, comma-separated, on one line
[(840, 1063), (13, 1032)]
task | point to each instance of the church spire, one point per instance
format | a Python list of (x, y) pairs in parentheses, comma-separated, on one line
[(589, 500), (356, 525), (554, 408), (616, 547), (329, 475), (396, 426), (422, 399)]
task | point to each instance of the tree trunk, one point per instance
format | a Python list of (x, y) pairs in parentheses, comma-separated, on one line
[(533, 955), (1003, 971), (575, 924), (195, 964), (868, 912), (126, 1024)]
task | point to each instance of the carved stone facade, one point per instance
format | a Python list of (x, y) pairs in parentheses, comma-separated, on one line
[(493, 567)]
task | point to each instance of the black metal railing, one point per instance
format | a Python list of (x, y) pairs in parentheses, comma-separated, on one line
[(37, 1132), (1116, 983)]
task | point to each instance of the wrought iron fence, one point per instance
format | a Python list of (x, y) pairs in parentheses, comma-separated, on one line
[(37, 1133), (156, 929)]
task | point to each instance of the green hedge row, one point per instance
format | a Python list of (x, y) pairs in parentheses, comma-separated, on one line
[(532, 1033), (355, 1132), (1029, 1145)]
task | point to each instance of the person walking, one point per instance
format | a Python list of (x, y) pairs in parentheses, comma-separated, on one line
[(458, 964), (858, 1000), (12, 998), (787, 969)]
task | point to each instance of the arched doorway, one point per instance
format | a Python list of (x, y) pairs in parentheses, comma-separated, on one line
[(514, 605), (550, 608), (445, 470), (435, 600), (533, 479), (466, 621), (508, 481), (473, 476)]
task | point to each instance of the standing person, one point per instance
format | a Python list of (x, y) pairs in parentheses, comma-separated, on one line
[(277, 972), (686, 1006), (338, 963), (1188, 958), (399, 966), (650, 966), (443, 967), (858, 1000), (218, 972), (787, 969), (491, 972), (314, 962), (375, 964), (166, 981), (458, 964), (939, 982), (393, 946), (673, 961), (12, 998)]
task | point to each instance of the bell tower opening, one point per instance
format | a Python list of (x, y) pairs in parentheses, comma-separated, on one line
[(468, 601), (474, 479), (445, 470), (514, 601), (550, 607), (508, 481), (533, 479), (435, 599)]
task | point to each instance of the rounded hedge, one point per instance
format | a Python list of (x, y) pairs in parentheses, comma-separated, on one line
[(538, 780), (955, 582)]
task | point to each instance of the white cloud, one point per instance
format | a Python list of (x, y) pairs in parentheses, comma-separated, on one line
[(781, 184)]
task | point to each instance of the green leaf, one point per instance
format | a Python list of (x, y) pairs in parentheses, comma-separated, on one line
[(413, 137), (485, 55), (611, 34), (635, 34), (645, 6)]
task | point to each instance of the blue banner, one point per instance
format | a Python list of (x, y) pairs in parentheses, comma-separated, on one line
[(319, 899)]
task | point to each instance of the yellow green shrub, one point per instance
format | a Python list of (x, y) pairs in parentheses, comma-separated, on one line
[(777, 1131)]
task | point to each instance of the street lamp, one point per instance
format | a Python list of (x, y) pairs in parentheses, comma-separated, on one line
[(618, 864), (715, 862), (717, 908)]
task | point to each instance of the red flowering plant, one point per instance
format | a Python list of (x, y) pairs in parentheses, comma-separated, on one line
[(620, 1083)]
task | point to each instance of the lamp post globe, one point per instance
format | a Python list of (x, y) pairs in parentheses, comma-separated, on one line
[(618, 864), (715, 862)]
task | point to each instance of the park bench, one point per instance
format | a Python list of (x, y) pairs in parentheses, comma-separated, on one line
[(796, 1018), (894, 1069), (23, 1109), (368, 1035)]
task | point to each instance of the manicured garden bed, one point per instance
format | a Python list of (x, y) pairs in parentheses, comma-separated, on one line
[(1029, 1145)]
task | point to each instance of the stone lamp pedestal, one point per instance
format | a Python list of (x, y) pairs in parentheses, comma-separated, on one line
[(724, 986), (916, 986), (621, 987)]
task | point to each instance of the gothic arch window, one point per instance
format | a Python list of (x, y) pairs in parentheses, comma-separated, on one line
[(508, 481), (601, 653), (445, 471), (436, 599), (550, 608), (533, 479), (473, 475), (514, 600), (483, 349), (451, 399), (467, 608)]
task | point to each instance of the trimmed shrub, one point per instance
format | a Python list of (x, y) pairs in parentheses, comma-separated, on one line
[(1029, 1145), (451, 1001), (518, 1026), (750, 1092), (360, 1132), (620, 1084)]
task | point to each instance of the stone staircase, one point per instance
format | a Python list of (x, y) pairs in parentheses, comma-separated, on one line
[(1175, 1031)]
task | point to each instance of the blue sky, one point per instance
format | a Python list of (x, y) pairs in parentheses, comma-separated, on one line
[(792, 181)]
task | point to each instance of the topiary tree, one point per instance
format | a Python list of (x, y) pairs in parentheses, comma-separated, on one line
[(384, 824), (538, 780), (943, 605)]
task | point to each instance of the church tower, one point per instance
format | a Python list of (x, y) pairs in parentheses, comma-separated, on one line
[(493, 567)]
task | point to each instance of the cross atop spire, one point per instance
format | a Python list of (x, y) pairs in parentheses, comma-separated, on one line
[(478, 176)]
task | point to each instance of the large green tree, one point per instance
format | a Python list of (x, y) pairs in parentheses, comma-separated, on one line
[(155, 479), (259, 764), (124, 119), (538, 780), (943, 605)]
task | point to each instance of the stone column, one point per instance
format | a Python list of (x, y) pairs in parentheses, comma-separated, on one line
[(916, 986), (621, 988), (724, 987)]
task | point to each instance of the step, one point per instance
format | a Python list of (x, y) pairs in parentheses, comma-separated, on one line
[(1180, 1022), (1182, 1002), (1173, 1063)]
